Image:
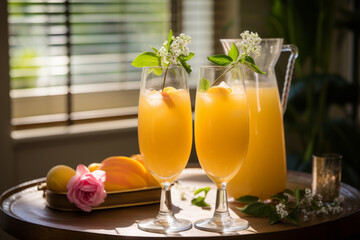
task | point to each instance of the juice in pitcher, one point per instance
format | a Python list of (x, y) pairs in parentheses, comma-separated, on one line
[(263, 173)]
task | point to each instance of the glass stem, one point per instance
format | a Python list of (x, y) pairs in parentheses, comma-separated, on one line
[(221, 214), (165, 213)]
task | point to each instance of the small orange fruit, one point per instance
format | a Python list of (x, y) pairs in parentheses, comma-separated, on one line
[(58, 177)]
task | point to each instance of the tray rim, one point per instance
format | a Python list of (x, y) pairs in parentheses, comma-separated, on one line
[(11, 223)]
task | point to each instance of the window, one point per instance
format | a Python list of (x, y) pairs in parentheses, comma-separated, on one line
[(70, 60)]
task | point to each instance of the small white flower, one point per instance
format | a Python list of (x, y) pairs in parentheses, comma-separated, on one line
[(250, 43), (281, 210), (177, 48), (306, 218), (319, 197), (339, 199)]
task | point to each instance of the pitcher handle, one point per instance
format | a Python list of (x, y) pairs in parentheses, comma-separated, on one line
[(289, 72)]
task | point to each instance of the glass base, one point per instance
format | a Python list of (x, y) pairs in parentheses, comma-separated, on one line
[(230, 225), (162, 226)]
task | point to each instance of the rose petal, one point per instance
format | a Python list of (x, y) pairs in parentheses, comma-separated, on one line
[(81, 169), (100, 175), (86, 189)]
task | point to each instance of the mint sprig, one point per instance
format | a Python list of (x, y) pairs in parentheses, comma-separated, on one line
[(200, 200)]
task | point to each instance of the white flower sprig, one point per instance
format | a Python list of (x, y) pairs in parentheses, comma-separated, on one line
[(281, 210), (312, 206), (289, 206), (178, 47), (250, 43), (174, 50)]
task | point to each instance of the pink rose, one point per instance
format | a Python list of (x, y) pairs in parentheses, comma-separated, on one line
[(86, 189)]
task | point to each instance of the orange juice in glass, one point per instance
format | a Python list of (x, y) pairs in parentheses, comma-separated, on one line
[(221, 138), (165, 137), (165, 131), (221, 132)]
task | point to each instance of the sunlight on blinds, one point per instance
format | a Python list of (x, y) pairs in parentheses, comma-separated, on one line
[(198, 23)]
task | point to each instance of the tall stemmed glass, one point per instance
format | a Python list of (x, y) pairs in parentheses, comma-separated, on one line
[(165, 137), (221, 137)]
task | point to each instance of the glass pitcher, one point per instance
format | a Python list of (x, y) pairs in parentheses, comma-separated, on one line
[(263, 173)]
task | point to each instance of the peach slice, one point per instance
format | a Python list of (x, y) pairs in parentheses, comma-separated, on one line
[(94, 166), (150, 179), (123, 173)]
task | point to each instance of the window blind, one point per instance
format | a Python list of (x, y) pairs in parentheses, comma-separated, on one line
[(105, 36), (70, 58)]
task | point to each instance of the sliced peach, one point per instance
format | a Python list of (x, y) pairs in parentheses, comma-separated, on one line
[(123, 173), (138, 158), (94, 166), (150, 179), (123, 163), (122, 179), (219, 89)]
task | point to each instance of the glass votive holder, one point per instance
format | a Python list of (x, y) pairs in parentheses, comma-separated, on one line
[(326, 176)]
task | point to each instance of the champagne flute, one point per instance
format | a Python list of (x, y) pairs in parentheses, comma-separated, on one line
[(165, 137), (221, 137)]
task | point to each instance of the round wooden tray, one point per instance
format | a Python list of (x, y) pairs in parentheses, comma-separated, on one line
[(24, 214)]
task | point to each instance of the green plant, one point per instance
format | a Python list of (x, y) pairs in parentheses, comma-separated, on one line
[(316, 89)]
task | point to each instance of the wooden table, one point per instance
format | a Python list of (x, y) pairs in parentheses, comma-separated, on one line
[(24, 215)]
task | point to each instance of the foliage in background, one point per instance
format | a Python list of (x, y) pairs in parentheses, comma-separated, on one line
[(316, 89)]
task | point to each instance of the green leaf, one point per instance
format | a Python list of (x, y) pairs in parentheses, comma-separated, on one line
[(146, 59), (185, 65), (158, 71), (204, 85), (247, 199), (200, 201), (293, 218), (199, 190), (250, 63), (222, 60), (169, 39), (274, 217), (190, 56), (234, 52), (257, 209), (299, 195), (155, 50)]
